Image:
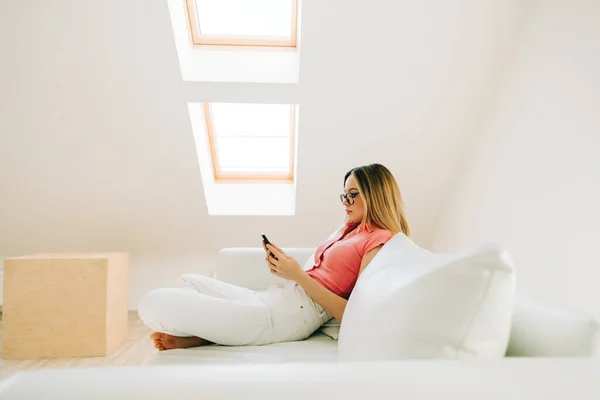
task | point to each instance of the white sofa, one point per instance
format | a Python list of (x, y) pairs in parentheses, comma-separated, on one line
[(539, 329), (552, 355)]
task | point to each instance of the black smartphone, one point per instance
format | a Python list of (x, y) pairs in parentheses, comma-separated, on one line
[(265, 238), (266, 243)]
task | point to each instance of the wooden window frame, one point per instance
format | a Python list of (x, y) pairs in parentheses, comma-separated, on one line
[(199, 39), (248, 177)]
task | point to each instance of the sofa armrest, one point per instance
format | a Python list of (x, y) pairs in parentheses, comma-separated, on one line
[(246, 266), (544, 329), (515, 379)]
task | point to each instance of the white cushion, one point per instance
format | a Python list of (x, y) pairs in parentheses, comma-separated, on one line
[(541, 329), (317, 348), (434, 305)]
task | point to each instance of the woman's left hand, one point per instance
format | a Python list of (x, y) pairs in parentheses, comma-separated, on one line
[(283, 265)]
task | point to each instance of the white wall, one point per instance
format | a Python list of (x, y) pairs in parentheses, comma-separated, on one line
[(96, 148), (534, 181)]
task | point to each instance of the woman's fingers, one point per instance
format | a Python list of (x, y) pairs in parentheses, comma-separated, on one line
[(273, 268), (278, 248), (278, 253), (272, 261), (265, 247)]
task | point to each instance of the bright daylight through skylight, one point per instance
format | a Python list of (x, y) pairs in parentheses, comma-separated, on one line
[(252, 137), (267, 19)]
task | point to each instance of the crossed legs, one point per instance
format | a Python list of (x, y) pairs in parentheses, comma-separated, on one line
[(203, 311)]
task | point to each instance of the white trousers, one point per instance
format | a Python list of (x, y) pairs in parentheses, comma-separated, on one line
[(231, 315)]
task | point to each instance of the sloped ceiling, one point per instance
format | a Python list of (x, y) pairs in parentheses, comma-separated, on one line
[(96, 151)]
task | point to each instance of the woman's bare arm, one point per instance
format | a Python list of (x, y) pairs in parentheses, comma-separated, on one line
[(331, 302)]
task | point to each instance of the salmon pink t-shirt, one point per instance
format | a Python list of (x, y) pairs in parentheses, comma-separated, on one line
[(337, 262)]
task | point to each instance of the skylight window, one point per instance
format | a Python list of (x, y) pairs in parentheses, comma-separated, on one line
[(251, 142), (271, 23)]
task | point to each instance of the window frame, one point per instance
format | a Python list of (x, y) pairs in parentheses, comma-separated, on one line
[(248, 177), (199, 39)]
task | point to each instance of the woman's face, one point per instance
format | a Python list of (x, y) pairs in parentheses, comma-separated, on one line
[(353, 202)]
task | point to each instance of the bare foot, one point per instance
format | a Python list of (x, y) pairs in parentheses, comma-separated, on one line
[(163, 341)]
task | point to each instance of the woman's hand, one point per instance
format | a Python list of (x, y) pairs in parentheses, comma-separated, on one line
[(283, 265)]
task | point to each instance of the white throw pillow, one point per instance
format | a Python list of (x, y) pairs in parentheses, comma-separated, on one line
[(543, 329), (434, 305)]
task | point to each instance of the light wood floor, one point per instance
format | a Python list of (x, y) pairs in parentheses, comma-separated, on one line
[(137, 349)]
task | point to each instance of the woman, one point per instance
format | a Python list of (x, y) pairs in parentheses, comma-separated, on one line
[(207, 311)]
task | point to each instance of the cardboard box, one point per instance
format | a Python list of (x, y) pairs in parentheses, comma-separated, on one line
[(64, 305)]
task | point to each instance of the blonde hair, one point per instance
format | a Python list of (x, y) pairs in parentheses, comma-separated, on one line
[(381, 196)]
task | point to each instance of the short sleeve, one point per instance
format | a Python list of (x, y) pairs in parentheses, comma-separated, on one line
[(376, 238)]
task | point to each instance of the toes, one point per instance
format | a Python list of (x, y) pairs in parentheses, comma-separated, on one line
[(156, 336)]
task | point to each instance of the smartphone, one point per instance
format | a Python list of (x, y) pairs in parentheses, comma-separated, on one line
[(265, 238), (266, 243)]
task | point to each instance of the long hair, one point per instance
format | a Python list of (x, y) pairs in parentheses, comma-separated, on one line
[(381, 196)]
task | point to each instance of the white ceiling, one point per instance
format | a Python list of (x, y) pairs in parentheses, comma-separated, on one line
[(96, 149)]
